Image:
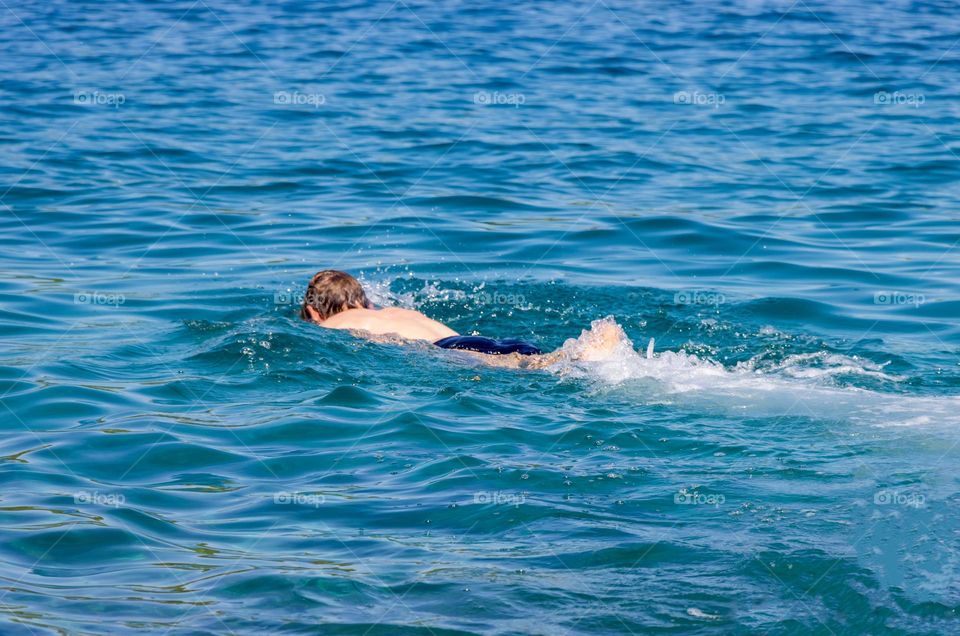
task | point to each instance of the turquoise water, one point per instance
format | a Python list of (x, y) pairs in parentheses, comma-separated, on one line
[(767, 189)]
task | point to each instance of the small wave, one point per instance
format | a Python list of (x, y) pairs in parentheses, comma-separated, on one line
[(465, 202)]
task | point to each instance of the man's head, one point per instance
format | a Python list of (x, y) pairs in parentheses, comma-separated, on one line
[(330, 292)]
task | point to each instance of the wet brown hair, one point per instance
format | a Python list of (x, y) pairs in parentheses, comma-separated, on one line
[(330, 292)]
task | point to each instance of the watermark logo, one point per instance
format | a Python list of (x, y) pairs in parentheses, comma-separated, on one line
[(898, 298), (287, 297), (97, 498), (697, 98), (496, 98), (498, 498), (896, 98), (896, 498), (98, 298), (499, 298), (697, 498), (296, 98), (96, 98), (299, 499), (698, 297)]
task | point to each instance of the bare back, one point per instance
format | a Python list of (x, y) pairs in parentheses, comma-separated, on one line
[(405, 323)]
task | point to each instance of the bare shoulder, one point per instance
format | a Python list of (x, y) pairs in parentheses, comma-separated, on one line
[(350, 319), (400, 312), (406, 323)]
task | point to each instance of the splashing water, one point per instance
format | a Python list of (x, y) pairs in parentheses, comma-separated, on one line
[(789, 388)]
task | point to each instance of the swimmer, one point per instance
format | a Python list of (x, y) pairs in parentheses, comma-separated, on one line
[(336, 300)]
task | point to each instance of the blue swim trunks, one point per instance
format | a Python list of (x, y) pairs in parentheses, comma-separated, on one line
[(488, 345)]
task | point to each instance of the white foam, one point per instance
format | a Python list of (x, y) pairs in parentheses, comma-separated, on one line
[(801, 385), (821, 364)]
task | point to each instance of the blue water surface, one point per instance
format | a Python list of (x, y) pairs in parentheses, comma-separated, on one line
[(769, 189)]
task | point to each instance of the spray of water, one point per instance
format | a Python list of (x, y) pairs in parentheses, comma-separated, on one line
[(800, 385)]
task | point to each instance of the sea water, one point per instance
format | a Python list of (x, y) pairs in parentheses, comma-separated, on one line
[(767, 189)]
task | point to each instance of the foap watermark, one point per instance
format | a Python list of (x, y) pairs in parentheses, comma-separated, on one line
[(296, 98), (496, 98), (499, 498), (287, 297), (98, 298), (299, 499), (499, 298), (698, 98), (889, 497), (97, 98), (898, 298), (699, 297), (697, 498), (896, 98), (97, 498)]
